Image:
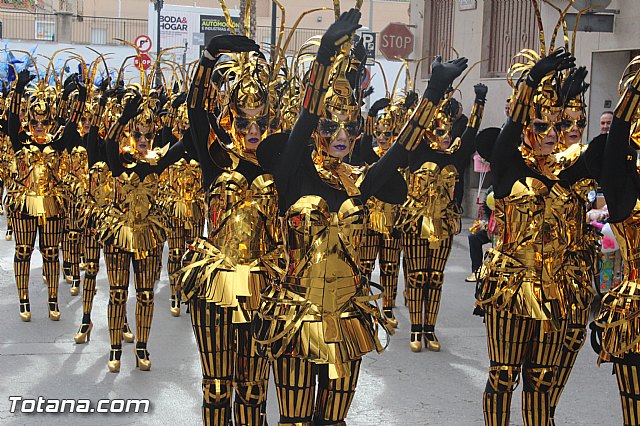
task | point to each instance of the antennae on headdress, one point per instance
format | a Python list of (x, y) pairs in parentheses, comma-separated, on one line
[(543, 48), (227, 17), (562, 22), (384, 79)]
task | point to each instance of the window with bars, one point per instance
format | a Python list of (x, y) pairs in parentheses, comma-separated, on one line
[(440, 15), (512, 28)]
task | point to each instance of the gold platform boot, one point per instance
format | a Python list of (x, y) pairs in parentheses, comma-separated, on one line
[(54, 312), (84, 334), (114, 360)]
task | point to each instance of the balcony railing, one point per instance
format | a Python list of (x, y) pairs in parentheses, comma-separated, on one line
[(84, 29)]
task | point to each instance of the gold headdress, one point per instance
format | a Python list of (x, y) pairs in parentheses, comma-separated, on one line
[(546, 102)]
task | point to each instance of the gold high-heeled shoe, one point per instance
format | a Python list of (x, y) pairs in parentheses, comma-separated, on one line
[(391, 319), (416, 341), (127, 334), (9, 235), (142, 359), (114, 360), (84, 334), (175, 307), (430, 339), (54, 312), (75, 286), (25, 311)]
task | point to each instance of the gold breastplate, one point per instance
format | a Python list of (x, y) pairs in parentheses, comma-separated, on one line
[(77, 177), (135, 198), (37, 182), (37, 169), (430, 208), (243, 218), (323, 250), (101, 184), (533, 225), (183, 180)]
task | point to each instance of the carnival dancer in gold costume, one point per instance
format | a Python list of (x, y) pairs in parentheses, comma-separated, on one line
[(380, 239), (98, 196), (75, 183), (525, 288), (430, 217), (37, 207), (618, 322), (183, 197), (320, 320), (132, 227), (224, 274)]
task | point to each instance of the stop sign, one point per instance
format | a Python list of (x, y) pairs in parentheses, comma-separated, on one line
[(396, 41), (142, 62)]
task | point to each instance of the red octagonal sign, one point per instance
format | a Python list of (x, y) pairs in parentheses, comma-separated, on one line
[(396, 41)]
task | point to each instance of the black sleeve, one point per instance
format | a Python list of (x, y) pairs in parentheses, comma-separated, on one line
[(175, 153), (383, 171), (199, 123), (467, 144), (13, 126), (113, 157), (93, 150), (295, 153), (505, 154), (619, 175), (367, 154)]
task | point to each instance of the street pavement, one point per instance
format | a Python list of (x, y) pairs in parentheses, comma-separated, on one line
[(397, 387)]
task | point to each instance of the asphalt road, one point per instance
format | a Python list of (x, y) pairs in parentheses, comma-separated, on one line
[(397, 387)]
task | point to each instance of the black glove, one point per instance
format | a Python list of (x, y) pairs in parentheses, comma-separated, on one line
[(24, 77), (338, 33), (443, 73), (104, 85), (176, 88), (70, 84), (231, 43), (131, 107), (410, 99), (179, 100), (378, 105), (359, 52), (574, 84), (162, 99), (481, 92), (71, 78), (82, 91), (557, 60)]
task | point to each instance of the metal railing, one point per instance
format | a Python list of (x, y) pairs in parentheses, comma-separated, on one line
[(300, 36), (102, 30), (84, 29)]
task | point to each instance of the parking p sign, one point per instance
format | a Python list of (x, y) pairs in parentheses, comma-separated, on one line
[(369, 41)]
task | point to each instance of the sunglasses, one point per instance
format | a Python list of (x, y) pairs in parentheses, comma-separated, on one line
[(243, 124), (540, 127), (138, 135), (440, 132), (385, 134), (33, 122), (329, 128), (569, 123)]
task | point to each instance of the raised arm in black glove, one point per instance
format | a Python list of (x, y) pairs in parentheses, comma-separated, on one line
[(228, 43), (378, 105), (337, 33), (442, 75), (558, 60), (481, 93), (131, 107), (24, 77), (574, 84), (411, 99)]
